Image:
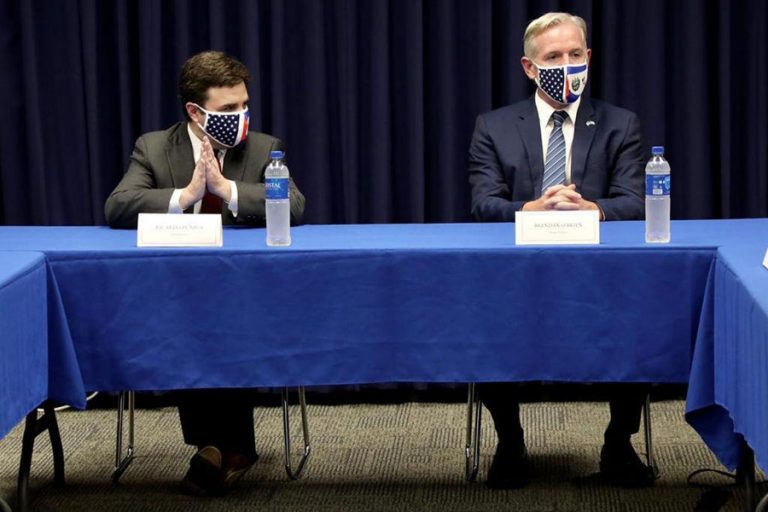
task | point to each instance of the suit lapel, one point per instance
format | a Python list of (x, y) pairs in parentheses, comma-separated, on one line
[(181, 161), (583, 135), (234, 162), (530, 133)]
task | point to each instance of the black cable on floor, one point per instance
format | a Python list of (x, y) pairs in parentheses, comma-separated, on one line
[(715, 497)]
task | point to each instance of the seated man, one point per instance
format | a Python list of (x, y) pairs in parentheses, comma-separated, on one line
[(210, 163), (559, 151)]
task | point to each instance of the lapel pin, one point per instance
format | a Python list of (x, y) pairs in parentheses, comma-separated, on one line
[(590, 123)]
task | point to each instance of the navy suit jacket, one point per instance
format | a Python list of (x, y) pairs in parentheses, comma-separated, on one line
[(506, 165)]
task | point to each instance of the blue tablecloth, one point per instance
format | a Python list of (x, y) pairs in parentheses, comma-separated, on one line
[(388, 303), (377, 303), (728, 392), (23, 336)]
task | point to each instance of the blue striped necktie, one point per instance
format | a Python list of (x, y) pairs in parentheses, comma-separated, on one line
[(554, 168)]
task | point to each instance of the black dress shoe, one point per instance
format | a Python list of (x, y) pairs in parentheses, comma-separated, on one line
[(234, 467), (620, 465), (510, 468), (204, 475), (212, 473)]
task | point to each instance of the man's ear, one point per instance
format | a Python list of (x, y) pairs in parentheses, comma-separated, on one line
[(528, 67), (194, 113)]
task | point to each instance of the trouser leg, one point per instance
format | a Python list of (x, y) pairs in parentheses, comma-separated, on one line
[(626, 405), (503, 402), (218, 417)]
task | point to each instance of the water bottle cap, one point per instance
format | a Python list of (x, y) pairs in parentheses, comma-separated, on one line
[(657, 150), (277, 155)]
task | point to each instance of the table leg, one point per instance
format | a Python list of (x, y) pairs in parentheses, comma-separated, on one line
[(35, 426)]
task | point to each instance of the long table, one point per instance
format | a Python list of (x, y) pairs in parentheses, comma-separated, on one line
[(728, 393), (389, 303), (23, 336)]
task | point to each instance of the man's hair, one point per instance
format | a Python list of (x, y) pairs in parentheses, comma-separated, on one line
[(205, 70), (547, 21)]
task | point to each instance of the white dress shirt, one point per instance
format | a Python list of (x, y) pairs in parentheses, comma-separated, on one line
[(547, 124), (197, 149)]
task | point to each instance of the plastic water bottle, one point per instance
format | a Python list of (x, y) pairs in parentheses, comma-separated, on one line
[(278, 201), (657, 202)]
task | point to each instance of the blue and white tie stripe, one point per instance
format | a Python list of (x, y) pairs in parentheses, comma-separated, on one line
[(554, 168)]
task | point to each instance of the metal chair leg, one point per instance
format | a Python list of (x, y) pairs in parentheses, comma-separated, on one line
[(295, 475), (122, 462), (649, 456), (762, 506), (472, 445)]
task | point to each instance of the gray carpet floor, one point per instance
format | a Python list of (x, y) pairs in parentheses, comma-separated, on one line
[(404, 457)]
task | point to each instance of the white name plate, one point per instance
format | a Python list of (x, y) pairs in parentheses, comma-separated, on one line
[(179, 230), (557, 227), (765, 260)]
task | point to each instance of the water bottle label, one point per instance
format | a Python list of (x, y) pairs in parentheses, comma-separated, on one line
[(657, 184), (276, 188)]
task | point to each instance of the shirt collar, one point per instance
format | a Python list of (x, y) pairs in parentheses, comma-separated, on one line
[(197, 145), (545, 110)]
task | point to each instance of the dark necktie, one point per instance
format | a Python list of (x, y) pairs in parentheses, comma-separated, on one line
[(554, 168), (212, 202)]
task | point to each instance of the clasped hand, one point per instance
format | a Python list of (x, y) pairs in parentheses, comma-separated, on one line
[(560, 197), (206, 176)]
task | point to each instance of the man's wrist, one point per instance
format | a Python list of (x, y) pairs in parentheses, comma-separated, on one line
[(594, 205), (599, 209), (175, 205), (232, 204)]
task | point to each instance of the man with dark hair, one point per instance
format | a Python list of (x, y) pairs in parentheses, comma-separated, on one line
[(211, 164), (559, 151), (205, 70)]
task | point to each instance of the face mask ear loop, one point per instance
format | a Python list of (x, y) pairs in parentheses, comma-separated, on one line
[(201, 109), (537, 80), (202, 127)]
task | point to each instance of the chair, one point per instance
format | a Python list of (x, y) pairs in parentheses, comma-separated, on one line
[(472, 445), (122, 462), (126, 399), (295, 475)]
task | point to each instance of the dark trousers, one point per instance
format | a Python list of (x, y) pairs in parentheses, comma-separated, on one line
[(503, 402), (218, 417)]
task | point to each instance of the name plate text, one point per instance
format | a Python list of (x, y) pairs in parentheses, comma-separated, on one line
[(179, 230), (557, 227)]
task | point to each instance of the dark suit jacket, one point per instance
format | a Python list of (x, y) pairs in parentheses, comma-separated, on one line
[(163, 161), (506, 163)]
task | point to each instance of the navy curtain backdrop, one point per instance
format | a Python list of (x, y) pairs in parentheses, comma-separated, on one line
[(375, 99)]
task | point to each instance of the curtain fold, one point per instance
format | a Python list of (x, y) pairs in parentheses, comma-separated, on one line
[(375, 100)]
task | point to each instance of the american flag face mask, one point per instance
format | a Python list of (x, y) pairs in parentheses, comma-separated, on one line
[(227, 128), (564, 84)]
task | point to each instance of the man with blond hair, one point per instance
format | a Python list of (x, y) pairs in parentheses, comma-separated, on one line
[(559, 151)]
